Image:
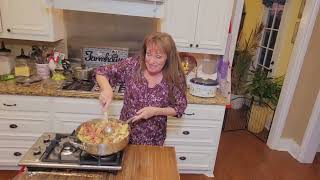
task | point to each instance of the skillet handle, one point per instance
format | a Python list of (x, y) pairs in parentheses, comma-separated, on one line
[(72, 141)]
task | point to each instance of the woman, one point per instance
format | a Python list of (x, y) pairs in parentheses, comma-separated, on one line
[(155, 88)]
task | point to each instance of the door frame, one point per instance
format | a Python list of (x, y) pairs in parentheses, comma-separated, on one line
[(311, 138), (291, 79)]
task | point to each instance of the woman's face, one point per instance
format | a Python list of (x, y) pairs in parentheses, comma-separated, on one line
[(155, 59)]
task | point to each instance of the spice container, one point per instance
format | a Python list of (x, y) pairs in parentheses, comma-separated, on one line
[(23, 65), (6, 61)]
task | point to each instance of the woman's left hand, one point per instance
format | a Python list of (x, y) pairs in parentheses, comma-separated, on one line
[(145, 113)]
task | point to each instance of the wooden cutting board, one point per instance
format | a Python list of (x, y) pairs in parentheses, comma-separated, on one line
[(139, 163)]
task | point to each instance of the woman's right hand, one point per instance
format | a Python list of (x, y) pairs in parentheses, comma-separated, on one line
[(105, 99)]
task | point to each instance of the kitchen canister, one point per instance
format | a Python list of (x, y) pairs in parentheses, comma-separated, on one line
[(6, 61), (43, 71), (203, 87)]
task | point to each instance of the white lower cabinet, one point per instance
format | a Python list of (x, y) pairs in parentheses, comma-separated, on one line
[(69, 113), (22, 120), (195, 136), (12, 148)]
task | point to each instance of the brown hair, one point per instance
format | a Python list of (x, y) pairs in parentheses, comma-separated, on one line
[(172, 70)]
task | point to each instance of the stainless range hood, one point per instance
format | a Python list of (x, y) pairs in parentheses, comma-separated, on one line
[(142, 8)]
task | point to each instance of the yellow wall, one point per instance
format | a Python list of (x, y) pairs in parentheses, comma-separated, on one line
[(285, 45), (254, 13), (306, 91)]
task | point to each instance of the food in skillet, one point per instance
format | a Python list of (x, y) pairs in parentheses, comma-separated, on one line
[(93, 132)]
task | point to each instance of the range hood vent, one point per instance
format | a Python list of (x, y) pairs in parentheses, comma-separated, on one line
[(142, 8)]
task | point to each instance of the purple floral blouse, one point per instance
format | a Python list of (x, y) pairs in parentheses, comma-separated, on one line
[(138, 95)]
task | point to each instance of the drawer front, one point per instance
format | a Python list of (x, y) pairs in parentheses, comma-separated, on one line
[(195, 135), (193, 161), (24, 123), (11, 156), (85, 106), (196, 111), (17, 141), (194, 157), (67, 122), (24, 103)]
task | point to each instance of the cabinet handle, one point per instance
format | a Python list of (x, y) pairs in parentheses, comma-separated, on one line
[(182, 158), (186, 132), (9, 105), (191, 45), (9, 30), (189, 114), (197, 45), (13, 126), (17, 154)]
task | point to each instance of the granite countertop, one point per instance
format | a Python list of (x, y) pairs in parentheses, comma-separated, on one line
[(53, 88)]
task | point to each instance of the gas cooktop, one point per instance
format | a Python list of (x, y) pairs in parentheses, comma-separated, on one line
[(83, 85), (53, 151)]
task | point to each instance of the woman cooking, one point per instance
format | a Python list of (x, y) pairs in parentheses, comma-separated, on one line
[(155, 88)]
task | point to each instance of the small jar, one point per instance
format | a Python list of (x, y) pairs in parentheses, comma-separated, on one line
[(6, 61), (22, 67)]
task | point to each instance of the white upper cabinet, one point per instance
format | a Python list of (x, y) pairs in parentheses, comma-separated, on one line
[(198, 26), (30, 20), (181, 22), (141, 8)]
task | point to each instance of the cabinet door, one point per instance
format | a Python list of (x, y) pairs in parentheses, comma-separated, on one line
[(213, 24), (0, 21), (26, 17), (180, 21)]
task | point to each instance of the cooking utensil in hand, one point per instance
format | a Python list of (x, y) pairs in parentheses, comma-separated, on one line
[(107, 129)]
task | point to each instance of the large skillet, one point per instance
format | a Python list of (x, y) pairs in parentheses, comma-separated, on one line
[(99, 149)]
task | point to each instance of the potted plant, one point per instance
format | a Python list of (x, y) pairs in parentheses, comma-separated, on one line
[(244, 53), (265, 92)]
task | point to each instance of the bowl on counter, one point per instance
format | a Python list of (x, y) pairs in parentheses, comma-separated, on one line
[(83, 73), (203, 87)]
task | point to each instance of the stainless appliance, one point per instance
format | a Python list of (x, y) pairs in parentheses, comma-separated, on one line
[(89, 86), (53, 151)]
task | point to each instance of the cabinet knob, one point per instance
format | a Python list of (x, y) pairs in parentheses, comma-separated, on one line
[(182, 158), (191, 45), (17, 154), (186, 132), (13, 126), (9, 105), (9, 30), (189, 114), (272, 63), (197, 45)]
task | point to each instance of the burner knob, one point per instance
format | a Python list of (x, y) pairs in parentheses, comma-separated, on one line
[(36, 151), (46, 139)]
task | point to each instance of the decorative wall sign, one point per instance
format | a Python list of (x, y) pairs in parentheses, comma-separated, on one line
[(98, 56)]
